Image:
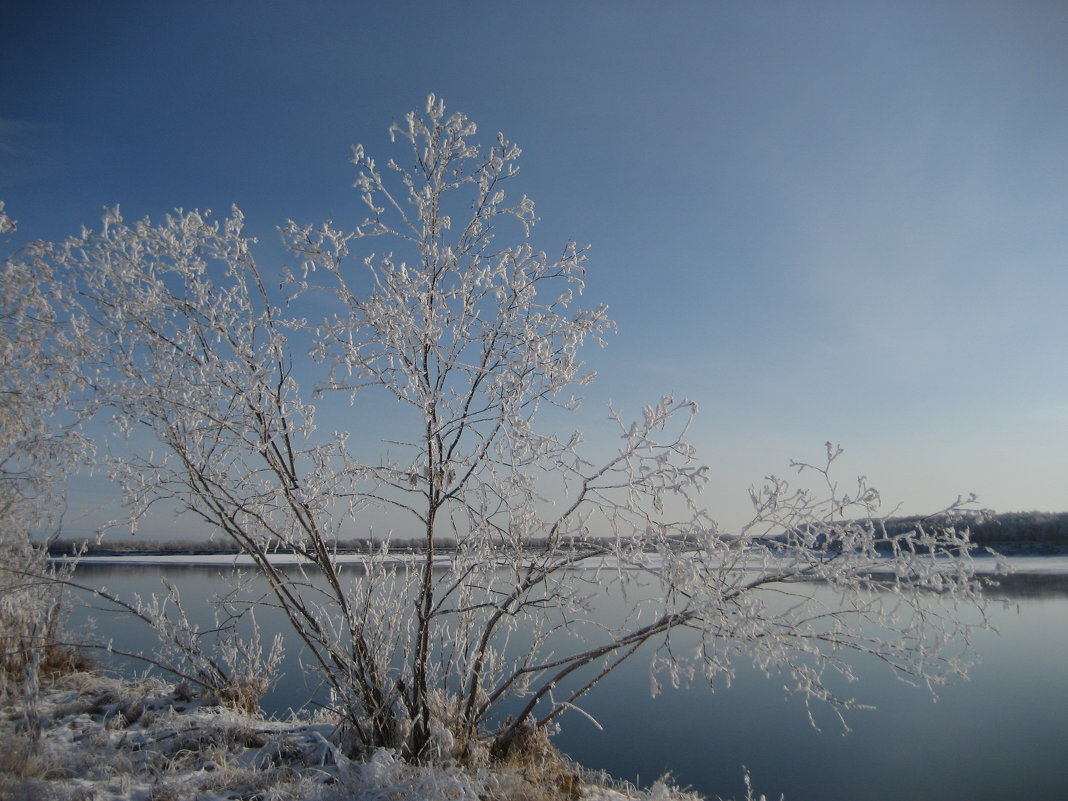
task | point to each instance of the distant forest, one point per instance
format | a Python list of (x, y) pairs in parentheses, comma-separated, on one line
[(1011, 532)]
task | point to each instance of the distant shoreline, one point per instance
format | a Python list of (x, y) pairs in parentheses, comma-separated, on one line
[(1009, 533), (1028, 563), (222, 559)]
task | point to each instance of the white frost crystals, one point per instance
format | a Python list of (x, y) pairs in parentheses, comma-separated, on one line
[(187, 344), (6, 223)]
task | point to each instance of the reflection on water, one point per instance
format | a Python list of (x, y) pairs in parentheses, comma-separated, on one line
[(1032, 586), (1001, 735)]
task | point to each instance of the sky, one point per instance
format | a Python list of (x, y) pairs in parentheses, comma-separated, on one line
[(841, 221)]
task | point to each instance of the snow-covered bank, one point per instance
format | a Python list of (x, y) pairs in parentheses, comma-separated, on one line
[(111, 740)]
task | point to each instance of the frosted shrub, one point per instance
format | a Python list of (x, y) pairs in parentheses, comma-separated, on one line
[(33, 609), (222, 663), (228, 668), (440, 302), (38, 448)]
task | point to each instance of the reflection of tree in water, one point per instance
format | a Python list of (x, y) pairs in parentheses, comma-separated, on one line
[(1029, 586)]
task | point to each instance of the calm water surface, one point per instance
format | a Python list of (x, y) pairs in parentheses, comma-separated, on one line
[(1002, 735)]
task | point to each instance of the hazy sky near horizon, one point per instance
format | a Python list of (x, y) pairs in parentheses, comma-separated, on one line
[(840, 221)]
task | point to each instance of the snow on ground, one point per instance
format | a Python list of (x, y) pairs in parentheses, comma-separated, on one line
[(104, 739)]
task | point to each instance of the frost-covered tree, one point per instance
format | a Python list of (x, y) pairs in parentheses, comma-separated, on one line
[(38, 356), (440, 301), (39, 448)]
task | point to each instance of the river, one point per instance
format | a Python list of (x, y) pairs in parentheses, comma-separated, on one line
[(1003, 734)]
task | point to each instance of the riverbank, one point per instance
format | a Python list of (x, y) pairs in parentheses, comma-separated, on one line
[(87, 736)]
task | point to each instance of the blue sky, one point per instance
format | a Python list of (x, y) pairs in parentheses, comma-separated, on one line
[(819, 220)]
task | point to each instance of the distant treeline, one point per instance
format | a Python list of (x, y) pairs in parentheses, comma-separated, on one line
[(1027, 531), (137, 545), (1010, 528), (91, 547)]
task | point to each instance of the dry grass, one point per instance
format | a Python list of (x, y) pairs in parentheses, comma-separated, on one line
[(23, 758), (535, 770), (33, 611)]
